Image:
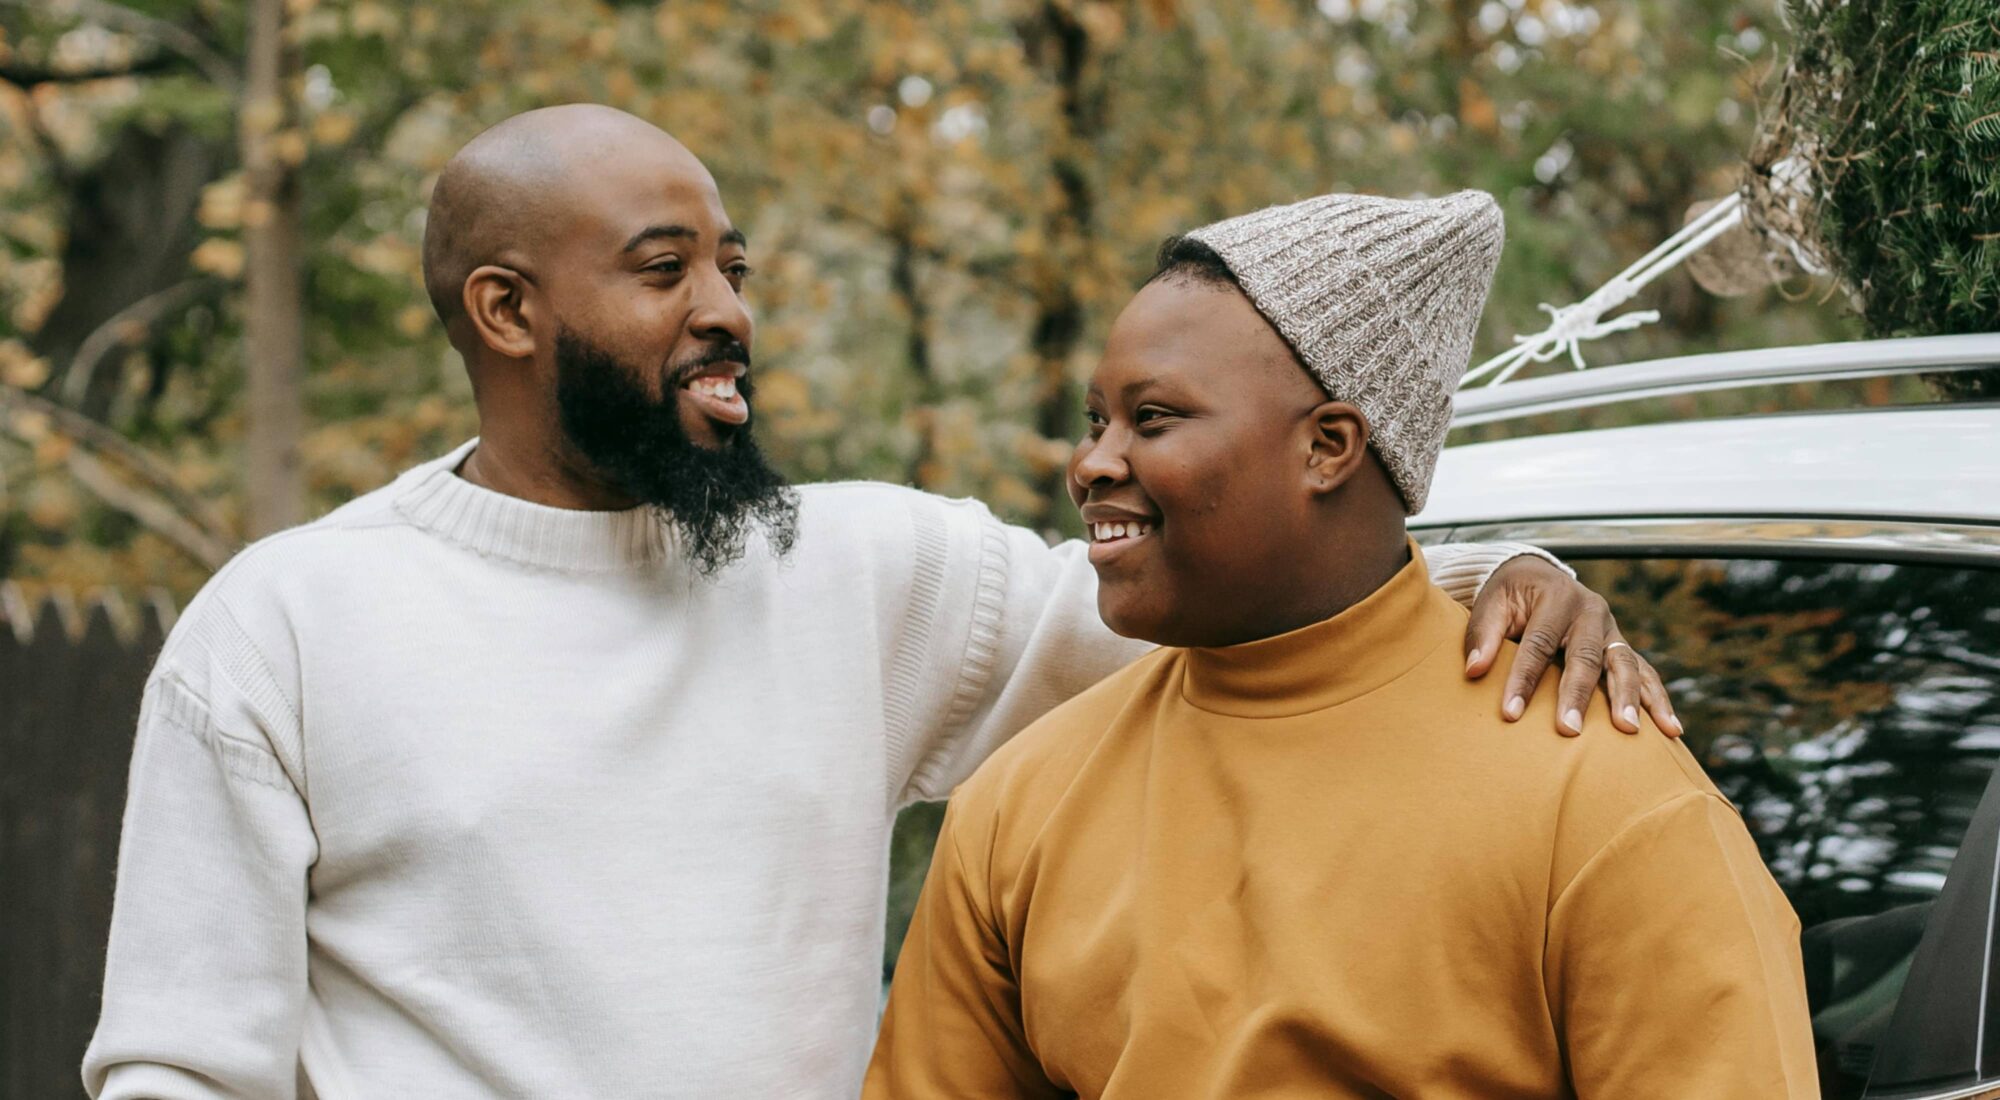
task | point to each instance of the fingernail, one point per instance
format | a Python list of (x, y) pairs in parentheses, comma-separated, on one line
[(1674, 720), (1471, 659), (1514, 708), (1632, 717), (1574, 717)]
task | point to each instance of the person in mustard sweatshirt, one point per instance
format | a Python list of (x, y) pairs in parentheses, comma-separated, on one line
[(1295, 853)]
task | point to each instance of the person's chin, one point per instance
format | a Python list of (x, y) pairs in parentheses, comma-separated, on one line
[(1128, 613), (703, 430)]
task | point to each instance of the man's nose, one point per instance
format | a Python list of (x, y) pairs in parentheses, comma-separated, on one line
[(719, 313)]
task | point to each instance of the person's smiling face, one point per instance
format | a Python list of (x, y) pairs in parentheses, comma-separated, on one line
[(650, 271), (1194, 480)]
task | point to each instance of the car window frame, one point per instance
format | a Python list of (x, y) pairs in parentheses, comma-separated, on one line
[(1912, 1062)]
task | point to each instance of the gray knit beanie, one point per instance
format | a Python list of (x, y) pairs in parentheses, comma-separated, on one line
[(1380, 299)]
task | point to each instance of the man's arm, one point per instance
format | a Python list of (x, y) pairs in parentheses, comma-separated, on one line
[(205, 980), (1673, 967), (953, 1024), (1004, 627)]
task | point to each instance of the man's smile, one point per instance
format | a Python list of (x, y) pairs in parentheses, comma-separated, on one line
[(714, 392)]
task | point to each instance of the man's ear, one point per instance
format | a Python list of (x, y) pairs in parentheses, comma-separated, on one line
[(1339, 446), (495, 300)]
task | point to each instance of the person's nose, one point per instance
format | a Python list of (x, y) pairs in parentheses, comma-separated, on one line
[(718, 312), (1099, 462)]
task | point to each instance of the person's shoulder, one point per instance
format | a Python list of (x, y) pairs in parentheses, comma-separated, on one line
[(862, 505), (1023, 781), (845, 521), (252, 604), (1601, 782)]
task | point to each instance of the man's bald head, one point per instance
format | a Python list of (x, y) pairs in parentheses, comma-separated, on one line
[(502, 198)]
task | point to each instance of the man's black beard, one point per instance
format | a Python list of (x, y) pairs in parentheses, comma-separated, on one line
[(635, 441)]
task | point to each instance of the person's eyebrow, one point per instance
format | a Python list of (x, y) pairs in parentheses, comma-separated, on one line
[(661, 232), (1128, 389), (735, 236)]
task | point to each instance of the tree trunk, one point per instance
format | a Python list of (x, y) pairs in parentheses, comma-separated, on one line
[(1057, 42), (273, 328), (130, 228)]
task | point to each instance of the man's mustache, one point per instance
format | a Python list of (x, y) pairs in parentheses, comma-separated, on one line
[(728, 351)]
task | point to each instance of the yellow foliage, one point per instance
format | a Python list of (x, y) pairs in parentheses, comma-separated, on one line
[(289, 147), (20, 367), (262, 116), (41, 288), (782, 393), (1475, 107), (387, 254), (414, 321), (218, 256), (370, 18), (333, 128), (52, 505), (222, 203)]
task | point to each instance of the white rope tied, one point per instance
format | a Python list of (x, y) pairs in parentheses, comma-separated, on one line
[(1571, 325)]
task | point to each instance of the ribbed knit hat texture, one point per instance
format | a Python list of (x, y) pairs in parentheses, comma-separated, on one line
[(1380, 299)]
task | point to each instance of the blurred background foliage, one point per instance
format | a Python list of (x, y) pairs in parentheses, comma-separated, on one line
[(947, 203)]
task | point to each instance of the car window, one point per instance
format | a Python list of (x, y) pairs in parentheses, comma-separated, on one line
[(1852, 712)]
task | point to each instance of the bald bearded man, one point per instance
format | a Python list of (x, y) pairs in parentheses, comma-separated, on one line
[(565, 764)]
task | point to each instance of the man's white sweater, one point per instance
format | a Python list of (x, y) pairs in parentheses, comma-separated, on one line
[(449, 794)]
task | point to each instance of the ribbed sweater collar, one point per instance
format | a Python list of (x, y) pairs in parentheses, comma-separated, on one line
[(433, 496), (1328, 663)]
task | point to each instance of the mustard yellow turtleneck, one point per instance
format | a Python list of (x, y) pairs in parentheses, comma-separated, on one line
[(1320, 865)]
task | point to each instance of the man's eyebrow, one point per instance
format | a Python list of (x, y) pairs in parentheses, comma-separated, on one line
[(681, 233), (661, 232)]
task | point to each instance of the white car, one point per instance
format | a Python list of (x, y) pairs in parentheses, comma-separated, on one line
[(1821, 592)]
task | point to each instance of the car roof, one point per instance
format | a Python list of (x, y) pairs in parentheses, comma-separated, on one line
[(1934, 462)]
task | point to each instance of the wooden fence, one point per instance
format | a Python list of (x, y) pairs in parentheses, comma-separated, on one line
[(70, 679)]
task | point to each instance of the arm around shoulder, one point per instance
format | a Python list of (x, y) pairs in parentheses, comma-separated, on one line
[(1007, 631)]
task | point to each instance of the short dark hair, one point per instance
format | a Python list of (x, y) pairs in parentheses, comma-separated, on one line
[(1184, 259)]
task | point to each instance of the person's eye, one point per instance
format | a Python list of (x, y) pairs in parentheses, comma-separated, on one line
[(669, 266), (740, 270), (1152, 416), (1095, 420)]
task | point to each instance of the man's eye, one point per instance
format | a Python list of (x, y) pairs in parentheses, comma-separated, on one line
[(1148, 415), (666, 267), (741, 271), (1093, 418)]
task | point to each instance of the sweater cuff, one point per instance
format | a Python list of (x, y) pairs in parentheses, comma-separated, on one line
[(1462, 569)]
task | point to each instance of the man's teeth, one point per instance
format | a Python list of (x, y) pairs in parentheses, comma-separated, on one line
[(724, 388), (1105, 532)]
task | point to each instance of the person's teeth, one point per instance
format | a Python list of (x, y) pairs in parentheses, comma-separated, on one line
[(1105, 532), (726, 388)]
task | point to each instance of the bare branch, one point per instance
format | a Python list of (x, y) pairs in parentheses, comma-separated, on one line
[(102, 440), (137, 318), (13, 71), (217, 68), (156, 515)]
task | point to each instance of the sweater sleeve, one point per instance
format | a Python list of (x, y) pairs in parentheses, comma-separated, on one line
[(1673, 965), (1004, 627), (953, 1024), (1462, 568), (205, 979), (1007, 631)]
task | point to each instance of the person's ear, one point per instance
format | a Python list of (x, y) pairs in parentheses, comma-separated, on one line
[(496, 304), (1339, 446)]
